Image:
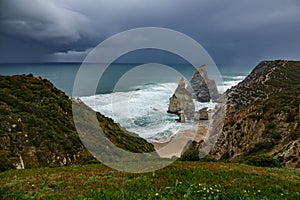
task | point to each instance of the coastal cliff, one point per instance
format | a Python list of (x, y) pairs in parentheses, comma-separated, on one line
[(37, 128), (263, 116)]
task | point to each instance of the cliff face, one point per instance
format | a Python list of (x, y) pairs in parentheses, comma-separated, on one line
[(263, 115), (37, 128)]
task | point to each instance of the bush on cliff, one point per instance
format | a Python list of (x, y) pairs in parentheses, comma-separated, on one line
[(262, 161)]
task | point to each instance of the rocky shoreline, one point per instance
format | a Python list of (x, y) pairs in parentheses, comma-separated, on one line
[(179, 143), (200, 88)]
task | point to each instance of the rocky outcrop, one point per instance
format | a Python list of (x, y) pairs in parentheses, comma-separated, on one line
[(181, 103), (263, 115), (201, 87)]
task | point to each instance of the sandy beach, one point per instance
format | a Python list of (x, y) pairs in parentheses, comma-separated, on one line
[(176, 145)]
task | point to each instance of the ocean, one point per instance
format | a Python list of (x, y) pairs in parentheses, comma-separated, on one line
[(135, 97)]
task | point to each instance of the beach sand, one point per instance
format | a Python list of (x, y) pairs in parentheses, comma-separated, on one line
[(176, 145)]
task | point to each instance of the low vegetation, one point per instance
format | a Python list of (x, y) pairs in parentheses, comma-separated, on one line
[(181, 180), (37, 128)]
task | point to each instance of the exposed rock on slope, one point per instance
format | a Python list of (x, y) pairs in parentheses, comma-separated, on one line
[(263, 115), (37, 128)]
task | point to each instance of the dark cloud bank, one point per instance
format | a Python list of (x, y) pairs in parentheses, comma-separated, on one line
[(233, 32)]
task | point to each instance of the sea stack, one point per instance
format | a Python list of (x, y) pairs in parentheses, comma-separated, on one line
[(201, 87), (181, 103)]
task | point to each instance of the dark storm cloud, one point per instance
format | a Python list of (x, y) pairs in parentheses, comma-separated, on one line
[(238, 32), (43, 21)]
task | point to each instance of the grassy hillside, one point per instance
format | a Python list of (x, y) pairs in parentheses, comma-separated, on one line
[(37, 128), (181, 180)]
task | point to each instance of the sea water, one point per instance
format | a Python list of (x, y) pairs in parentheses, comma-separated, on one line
[(135, 97)]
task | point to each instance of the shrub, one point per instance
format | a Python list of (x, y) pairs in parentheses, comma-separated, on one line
[(293, 135), (191, 156), (276, 135), (254, 116), (5, 163), (271, 125), (262, 161), (289, 118), (238, 126), (262, 146), (4, 111)]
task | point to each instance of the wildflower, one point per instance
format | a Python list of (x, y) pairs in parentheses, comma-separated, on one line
[(156, 194), (258, 191)]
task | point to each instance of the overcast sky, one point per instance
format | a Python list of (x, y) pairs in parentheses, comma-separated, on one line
[(234, 32)]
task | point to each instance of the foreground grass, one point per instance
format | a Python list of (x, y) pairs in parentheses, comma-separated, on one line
[(189, 180)]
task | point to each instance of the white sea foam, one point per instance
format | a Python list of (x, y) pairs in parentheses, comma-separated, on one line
[(227, 85), (143, 109), (234, 77)]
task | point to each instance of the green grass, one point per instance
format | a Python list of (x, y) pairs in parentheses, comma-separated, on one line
[(181, 180)]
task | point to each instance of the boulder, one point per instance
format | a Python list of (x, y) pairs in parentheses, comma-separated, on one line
[(181, 116), (202, 114)]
